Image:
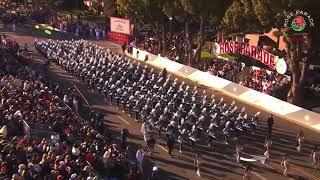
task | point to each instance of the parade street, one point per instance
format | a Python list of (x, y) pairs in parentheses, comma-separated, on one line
[(218, 161)]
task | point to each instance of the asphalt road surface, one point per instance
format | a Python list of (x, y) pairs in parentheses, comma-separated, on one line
[(218, 162)]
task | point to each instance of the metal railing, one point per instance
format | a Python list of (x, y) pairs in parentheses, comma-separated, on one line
[(36, 130), (98, 175), (26, 128)]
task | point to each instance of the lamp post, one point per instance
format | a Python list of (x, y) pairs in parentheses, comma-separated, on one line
[(170, 18)]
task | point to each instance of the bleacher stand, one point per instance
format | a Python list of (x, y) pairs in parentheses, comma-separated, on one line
[(41, 137)]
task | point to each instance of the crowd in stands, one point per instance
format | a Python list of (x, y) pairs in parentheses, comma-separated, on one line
[(42, 15), (221, 68), (315, 88), (15, 13), (175, 45), (76, 149), (313, 81), (69, 24), (263, 81)]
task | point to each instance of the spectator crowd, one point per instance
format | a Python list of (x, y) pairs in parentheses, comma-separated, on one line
[(313, 81), (69, 24), (264, 81), (315, 88), (222, 68), (13, 13), (175, 45), (73, 149)]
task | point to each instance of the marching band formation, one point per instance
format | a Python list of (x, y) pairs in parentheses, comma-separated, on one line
[(165, 104)]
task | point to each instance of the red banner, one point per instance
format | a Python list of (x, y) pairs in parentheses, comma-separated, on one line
[(254, 52)]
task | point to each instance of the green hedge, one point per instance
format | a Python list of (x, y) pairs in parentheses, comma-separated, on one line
[(206, 54)]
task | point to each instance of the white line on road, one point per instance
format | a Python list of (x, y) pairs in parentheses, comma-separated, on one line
[(161, 147), (229, 157), (85, 99), (259, 176), (125, 121), (115, 44), (284, 140), (269, 166)]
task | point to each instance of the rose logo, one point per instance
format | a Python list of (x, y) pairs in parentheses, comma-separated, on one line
[(298, 23)]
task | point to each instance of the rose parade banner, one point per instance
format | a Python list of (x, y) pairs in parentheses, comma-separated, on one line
[(254, 52)]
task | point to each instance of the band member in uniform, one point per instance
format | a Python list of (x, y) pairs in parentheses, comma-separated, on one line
[(268, 144), (315, 154), (151, 143), (198, 162), (239, 149), (247, 173), (285, 162), (300, 139), (170, 144)]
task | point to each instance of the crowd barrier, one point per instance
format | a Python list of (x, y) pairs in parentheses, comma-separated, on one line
[(262, 101), (37, 130)]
